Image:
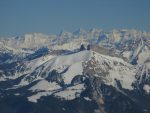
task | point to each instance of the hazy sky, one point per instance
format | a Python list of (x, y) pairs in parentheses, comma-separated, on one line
[(18, 17)]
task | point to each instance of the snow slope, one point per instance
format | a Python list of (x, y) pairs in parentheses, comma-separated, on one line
[(74, 64), (71, 92), (44, 85), (107, 68)]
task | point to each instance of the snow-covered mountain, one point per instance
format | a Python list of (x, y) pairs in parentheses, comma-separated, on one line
[(94, 35), (109, 71)]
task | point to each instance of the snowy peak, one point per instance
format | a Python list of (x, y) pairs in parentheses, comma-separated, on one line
[(138, 52), (95, 30), (83, 62), (92, 67), (80, 31), (112, 39)]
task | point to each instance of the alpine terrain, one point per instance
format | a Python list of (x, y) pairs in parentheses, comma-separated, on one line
[(92, 71)]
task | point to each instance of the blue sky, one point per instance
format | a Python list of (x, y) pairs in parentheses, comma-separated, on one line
[(18, 17)]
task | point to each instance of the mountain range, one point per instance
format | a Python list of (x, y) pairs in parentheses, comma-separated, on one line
[(92, 71)]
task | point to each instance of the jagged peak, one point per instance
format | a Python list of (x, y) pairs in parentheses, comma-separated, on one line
[(80, 31), (95, 30), (64, 33)]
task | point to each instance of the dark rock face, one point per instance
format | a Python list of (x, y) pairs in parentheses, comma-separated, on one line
[(82, 48), (111, 100), (40, 52), (77, 79), (5, 56), (103, 99), (54, 76), (89, 47), (50, 104)]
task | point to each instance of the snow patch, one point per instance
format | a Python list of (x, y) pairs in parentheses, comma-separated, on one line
[(71, 92), (147, 88), (45, 85), (34, 98), (74, 69)]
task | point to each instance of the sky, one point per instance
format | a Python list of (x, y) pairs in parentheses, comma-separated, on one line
[(18, 17)]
